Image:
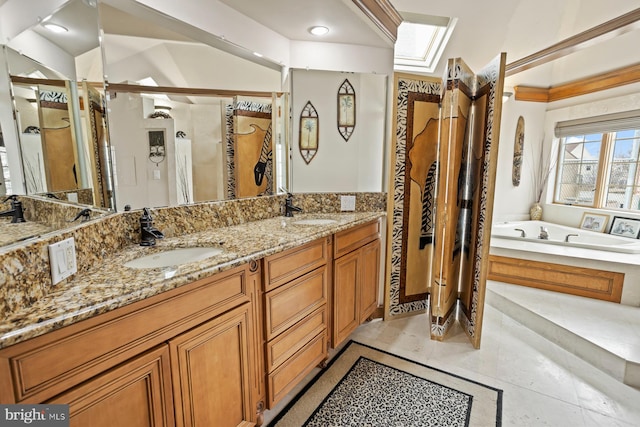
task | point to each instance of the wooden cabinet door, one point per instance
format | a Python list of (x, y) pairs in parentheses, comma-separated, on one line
[(369, 278), (210, 366), (134, 394), (346, 316)]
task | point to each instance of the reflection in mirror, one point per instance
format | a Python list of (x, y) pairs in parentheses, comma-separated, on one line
[(221, 119), (61, 138), (168, 152), (5, 177)]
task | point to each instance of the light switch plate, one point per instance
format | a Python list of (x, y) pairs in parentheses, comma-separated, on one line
[(62, 259), (347, 203)]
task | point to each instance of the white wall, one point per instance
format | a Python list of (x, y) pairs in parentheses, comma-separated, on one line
[(339, 165), (513, 203), (135, 182)]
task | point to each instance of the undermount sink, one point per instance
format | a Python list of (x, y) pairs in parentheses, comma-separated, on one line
[(315, 221), (173, 257)]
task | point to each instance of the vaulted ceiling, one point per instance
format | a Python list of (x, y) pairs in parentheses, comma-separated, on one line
[(484, 28)]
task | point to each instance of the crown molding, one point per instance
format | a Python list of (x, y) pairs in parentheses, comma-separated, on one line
[(383, 15), (604, 31), (609, 80)]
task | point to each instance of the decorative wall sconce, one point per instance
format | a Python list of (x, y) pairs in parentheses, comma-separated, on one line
[(346, 109), (157, 149), (308, 142)]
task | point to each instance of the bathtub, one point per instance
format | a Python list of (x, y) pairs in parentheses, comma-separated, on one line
[(558, 233)]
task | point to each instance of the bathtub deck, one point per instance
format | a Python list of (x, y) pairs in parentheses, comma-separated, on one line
[(605, 334)]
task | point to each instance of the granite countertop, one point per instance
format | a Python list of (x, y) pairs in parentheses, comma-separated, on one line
[(16, 232), (112, 285)]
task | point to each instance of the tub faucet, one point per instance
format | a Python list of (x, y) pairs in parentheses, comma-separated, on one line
[(148, 233), (16, 212), (566, 239), (289, 209), (522, 233), (544, 234)]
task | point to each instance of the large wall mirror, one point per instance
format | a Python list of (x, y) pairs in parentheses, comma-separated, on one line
[(57, 143), (188, 122), (129, 107)]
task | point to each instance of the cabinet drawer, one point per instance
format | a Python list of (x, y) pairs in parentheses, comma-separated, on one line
[(353, 238), (289, 303), (50, 364), (287, 376), (288, 265), (287, 344)]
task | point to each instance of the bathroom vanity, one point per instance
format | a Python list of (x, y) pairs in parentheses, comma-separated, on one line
[(212, 342)]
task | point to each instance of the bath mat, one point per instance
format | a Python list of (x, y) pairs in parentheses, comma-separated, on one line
[(364, 386)]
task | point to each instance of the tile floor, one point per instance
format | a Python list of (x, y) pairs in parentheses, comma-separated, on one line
[(543, 384)]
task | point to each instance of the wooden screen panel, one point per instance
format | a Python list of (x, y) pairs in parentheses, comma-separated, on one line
[(253, 150), (419, 195)]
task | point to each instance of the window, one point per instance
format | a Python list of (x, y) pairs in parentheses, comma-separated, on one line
[(421, 41), (600, 169)]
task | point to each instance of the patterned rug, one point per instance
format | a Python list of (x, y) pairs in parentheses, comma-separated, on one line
[(364, 386)]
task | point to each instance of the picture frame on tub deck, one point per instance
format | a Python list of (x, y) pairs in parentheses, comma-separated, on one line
[(625, 227), (594, 222)]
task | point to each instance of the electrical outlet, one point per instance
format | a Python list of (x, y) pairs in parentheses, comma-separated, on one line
[(347, 203), (62, 259)]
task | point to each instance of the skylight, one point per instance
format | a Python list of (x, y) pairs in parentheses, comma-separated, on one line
[(149, 81), (421, 41)]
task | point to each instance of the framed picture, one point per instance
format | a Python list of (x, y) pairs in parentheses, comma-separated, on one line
[(308, 141), (157, 149), (346, 109), (626, 227), (594, 222)]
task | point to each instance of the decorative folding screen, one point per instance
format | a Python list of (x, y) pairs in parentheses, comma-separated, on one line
[(249, 149), (443, 194)]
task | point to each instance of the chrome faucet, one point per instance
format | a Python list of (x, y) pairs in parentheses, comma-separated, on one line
[(544, 234), (566, 239), (289, 209), (148, 233), (16, 212), (522, 233)]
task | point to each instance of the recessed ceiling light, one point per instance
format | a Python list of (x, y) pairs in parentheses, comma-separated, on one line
[(55, 28), (318, 30)]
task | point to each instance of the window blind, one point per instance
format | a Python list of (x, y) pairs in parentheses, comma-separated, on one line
[(599, 124)]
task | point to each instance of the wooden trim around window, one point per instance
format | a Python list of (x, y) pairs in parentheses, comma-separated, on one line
[(602, 180)]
